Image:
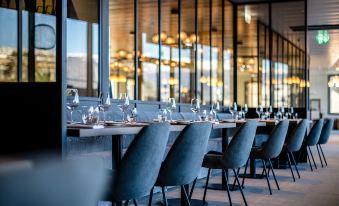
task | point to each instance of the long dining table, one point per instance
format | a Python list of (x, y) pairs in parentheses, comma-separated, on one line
[(119, 131)]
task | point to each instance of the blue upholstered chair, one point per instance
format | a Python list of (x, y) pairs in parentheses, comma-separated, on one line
[(183, 162), (271, 149), (293, 143), (312, 140), (139, 168), (324, 137), (234, 157)]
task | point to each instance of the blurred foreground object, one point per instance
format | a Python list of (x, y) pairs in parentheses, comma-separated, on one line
[(68, 183)]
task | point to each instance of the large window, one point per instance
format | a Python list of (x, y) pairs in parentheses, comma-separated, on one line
[(8, 45), (180, 56), (333, 92), (83, 46), (33, 57), (121, 35)]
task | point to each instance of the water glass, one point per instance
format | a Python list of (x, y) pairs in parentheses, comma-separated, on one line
[(245, 110), (171, 107), (72, 101), (123, 104), (203, 116), (104, 104), (132, 116), (214, 109), (162, 115), (195, 107)]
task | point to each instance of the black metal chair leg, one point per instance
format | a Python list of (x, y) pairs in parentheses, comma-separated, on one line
[(321, 149), (315, 165), (321, 161), (227, 188), (234, 182), (206, 185), (150, 197), (243, 178), (135, 202), (126, 202), (289, 164), (268, 182), (164, 196), (186, 196), (295, 164), (275, 179), (309, 159), (237, 179), (192, 189)]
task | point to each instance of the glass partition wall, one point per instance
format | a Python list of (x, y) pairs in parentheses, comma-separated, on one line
[(214, 50), (184, 50), (27, 41)]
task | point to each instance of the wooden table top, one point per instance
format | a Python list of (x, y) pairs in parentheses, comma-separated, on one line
[(129, 129), (134, 129)]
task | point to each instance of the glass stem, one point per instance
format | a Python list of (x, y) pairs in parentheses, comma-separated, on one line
[(71, 116)]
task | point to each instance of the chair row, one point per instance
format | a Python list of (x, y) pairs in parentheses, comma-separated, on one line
[(144, 166)]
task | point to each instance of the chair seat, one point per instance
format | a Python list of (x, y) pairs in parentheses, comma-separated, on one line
[(213, 160)]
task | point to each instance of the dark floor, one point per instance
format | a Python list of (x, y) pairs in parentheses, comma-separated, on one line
[(320, 187)]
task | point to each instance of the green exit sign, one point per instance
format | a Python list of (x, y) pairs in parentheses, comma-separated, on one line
[(322, 37)]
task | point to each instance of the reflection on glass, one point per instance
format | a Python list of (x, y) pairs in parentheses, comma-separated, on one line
[(45, 56), (169, 51), (121, 47), (148, 46), (8, 45), (188, 38), (83, 47), (77, 55)]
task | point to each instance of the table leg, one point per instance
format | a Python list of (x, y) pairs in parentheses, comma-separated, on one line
[(117, 148)]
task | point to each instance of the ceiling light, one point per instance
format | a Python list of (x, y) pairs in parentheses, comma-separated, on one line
[(247, 14)]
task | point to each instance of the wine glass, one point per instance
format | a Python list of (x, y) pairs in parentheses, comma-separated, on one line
[(195, 107), (214, 109), (123, 104), (269, 111), (171, 107), (231, 110), (282, 111), (291, 111), (259, 110), (105, 103), (72, 101), (245, 110)]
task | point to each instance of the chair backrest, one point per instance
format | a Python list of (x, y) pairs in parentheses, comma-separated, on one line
[(314, 135), (295, 140), (326, 131), (141, 163), (183, 161), (276, 140), (240, 146)]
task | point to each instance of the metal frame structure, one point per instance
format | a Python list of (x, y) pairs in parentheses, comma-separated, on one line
[(104, 47)]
